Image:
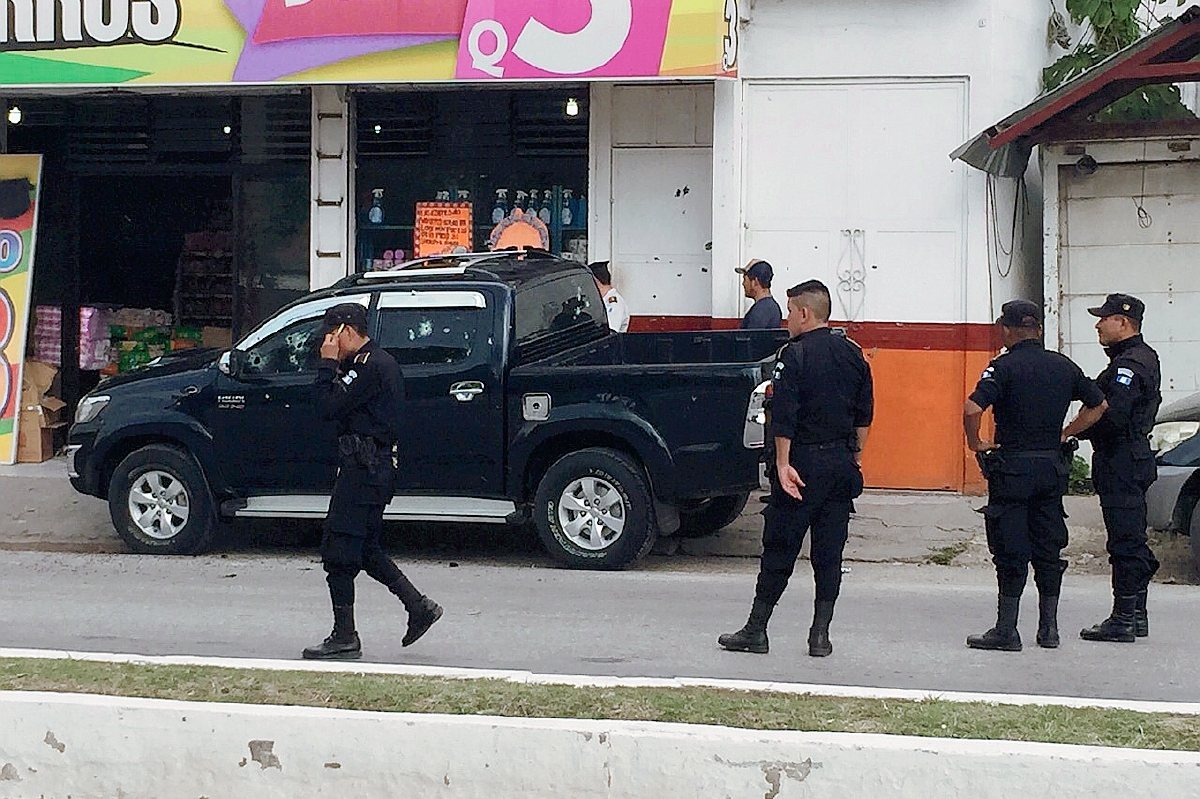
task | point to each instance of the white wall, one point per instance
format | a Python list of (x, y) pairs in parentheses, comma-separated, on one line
[(56, 745), (997, 46)]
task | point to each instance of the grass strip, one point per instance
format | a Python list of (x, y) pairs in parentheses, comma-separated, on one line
[(744, 709)]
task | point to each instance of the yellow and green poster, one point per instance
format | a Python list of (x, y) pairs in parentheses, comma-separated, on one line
[(19, 176), (172, 42)]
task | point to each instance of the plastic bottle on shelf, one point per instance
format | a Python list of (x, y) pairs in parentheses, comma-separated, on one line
[(568, 213), (375, 213), (521, 202), (500, 207), (544, 213), (581, 217), (534, 202)]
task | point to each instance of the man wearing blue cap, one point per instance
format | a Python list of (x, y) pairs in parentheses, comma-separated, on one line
[(765, 314), (1122, 464)]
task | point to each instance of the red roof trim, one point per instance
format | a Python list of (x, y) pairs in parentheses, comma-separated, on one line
[(1133, 65)]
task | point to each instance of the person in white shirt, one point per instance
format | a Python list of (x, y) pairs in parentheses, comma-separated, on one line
[(614, 303)]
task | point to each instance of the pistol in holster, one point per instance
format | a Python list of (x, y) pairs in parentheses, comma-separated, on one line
[(1068, 449), (357, 450), (989, 462)]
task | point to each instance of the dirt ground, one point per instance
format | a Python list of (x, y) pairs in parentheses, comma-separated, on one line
[(1086, 554)]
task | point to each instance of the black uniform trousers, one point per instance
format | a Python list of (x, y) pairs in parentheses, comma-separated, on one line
[(1025, 520), (831, 482), (353, 536), (1121, 473)]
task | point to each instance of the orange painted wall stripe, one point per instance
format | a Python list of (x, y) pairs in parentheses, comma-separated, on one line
[(923, 373)]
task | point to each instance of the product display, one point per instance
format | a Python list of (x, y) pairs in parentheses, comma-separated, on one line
[(204, 280)]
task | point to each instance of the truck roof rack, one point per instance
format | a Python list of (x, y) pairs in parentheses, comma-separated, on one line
[(456, 260)]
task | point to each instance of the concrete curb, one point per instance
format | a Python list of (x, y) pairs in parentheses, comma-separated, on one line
[(58, 745), (526, 677)]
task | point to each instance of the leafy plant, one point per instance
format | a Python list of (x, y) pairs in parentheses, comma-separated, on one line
[(1114, 25), (1079, 482)]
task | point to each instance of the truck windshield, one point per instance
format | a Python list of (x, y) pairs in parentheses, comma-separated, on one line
[(557, 314)]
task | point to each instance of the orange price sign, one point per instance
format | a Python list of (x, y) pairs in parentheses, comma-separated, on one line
[(443, 227)]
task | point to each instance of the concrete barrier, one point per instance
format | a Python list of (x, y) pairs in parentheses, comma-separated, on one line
[(55, 746)]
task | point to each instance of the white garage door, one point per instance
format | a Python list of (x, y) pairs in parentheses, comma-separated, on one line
[(1108, 247), (849, 183)]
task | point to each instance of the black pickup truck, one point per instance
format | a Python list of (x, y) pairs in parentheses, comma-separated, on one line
[(520, 405)]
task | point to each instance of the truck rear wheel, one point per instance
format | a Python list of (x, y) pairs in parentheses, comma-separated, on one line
[(710, 515), (593, 510), (160, 503)]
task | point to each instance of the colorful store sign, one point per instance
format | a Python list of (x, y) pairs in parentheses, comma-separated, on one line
[(19, 176), (65, 42)]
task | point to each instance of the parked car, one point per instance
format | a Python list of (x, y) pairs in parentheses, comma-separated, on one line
[(521, 406), (1173, 502)]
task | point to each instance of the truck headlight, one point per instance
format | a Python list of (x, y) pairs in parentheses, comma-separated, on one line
[(90, 407), (1168, 435)]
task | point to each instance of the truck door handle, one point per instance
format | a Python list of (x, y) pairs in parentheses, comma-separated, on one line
[(466, 390)]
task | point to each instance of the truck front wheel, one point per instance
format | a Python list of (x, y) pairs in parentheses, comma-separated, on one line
[(593, 510), (160, 503)]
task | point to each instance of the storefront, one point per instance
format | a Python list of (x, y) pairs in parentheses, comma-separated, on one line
[(261, 149)]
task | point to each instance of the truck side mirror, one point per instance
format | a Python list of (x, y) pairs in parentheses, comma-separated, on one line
[(230, 363)]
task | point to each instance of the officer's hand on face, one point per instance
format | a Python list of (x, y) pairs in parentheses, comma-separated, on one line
[(983, 446), (790, 482), (330, 348)]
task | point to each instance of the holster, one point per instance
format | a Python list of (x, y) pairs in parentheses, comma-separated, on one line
[(358, 451), (990, 462), (1069, 447)]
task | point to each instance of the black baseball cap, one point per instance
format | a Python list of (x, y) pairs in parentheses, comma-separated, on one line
[(1120, 305), (759, 270), (1020, 313), (350, 314)]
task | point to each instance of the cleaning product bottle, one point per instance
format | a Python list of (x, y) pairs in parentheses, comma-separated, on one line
[(568, 213), (375, 213), (544, 213), (500, 207)]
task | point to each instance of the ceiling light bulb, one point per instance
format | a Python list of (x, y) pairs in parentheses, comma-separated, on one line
[(378, 129), (227, 129), (572, 107), (15, 115)]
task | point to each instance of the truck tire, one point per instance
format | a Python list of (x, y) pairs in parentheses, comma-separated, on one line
[(593, 510), (160, 502), (1194, 532), (710, 515)]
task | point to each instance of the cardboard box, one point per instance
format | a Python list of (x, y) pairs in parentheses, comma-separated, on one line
[(35, 442), (36, 380), (219, 337)]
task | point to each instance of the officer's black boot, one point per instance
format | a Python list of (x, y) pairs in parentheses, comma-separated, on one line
[(752, 637), (1118, 627), (342, 643), (421, 616), (818, 635), (1141, 621), (1047, 634), (1004, 635)]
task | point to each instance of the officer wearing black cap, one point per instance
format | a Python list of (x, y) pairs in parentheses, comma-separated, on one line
[(1122, 464), (359, 388), (823, 405), (1029, 390), (764, 314)]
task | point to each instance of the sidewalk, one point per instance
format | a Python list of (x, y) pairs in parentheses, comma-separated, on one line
[(40, 511)]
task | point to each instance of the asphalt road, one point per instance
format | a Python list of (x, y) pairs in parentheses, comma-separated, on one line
[(897, 626)]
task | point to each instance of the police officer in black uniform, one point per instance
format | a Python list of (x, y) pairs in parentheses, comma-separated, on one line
[(1029, 390), (359, 387), (822, 408), (1122, 464)]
